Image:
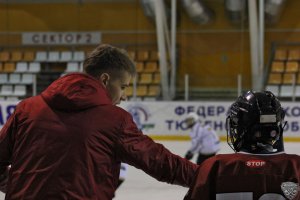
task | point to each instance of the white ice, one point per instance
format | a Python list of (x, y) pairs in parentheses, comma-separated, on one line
[(138, 185)]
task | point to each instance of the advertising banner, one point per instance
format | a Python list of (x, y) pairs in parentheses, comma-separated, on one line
[(166, 118)]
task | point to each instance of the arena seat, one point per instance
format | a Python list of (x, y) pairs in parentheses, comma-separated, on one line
[(129, 91), (277, 66), (156, 78), (6, 90), (154, 90), (27, 78), (34, 67), (286, 91), (298, 79), (297, 91), (275, 78), (145, 78), (3, 78), (16, 56), (66, 56), (284, 71), (78, 56), (72, 67), (14, 78), (19, 90), (28, 56), (154, 56), (80, 66), (142, 90), (139, 66), (294, 54), (142, 55), (53, 56), (148, 74), (12, 98), (292, 67), (21, 67), (151, 67), (288, 78), (9, 67), (41, 56), (4, 56), (280, 55)]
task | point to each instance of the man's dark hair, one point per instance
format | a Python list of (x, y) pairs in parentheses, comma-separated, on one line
[(108, 59)]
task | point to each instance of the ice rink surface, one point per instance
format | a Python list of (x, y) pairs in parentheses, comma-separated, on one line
[(140, 186)]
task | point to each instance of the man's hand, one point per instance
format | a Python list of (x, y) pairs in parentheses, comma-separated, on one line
[(189, 155)]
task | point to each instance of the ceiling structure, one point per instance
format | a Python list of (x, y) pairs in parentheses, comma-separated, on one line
[(62, 1)]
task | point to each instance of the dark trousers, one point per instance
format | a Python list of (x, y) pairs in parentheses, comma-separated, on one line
[(201, 158)]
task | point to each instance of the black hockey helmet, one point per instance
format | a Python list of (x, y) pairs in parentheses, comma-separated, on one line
[(255, 123)]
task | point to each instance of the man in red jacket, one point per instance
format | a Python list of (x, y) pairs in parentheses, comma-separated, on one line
[(260, 170), (68, 142)]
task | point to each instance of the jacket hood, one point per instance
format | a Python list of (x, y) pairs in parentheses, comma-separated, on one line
[(75, 92)]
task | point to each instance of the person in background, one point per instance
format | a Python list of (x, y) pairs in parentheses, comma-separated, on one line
[(260, 169), (205, 141), (123, 174), (69, 141)]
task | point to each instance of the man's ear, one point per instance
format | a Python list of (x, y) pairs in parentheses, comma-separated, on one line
[(104, 78)]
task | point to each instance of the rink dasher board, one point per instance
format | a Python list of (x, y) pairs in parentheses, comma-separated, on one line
[(163, 120)]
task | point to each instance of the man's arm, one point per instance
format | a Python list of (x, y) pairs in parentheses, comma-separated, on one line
[(153, 158)]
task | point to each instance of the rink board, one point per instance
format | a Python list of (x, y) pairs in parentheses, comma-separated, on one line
[(163, 120), (222, 138)]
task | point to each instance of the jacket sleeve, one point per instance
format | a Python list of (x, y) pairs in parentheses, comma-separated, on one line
[(141, 151), (6, 146)]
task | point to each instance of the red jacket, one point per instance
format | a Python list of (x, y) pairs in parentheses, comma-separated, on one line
[(68, 142)]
